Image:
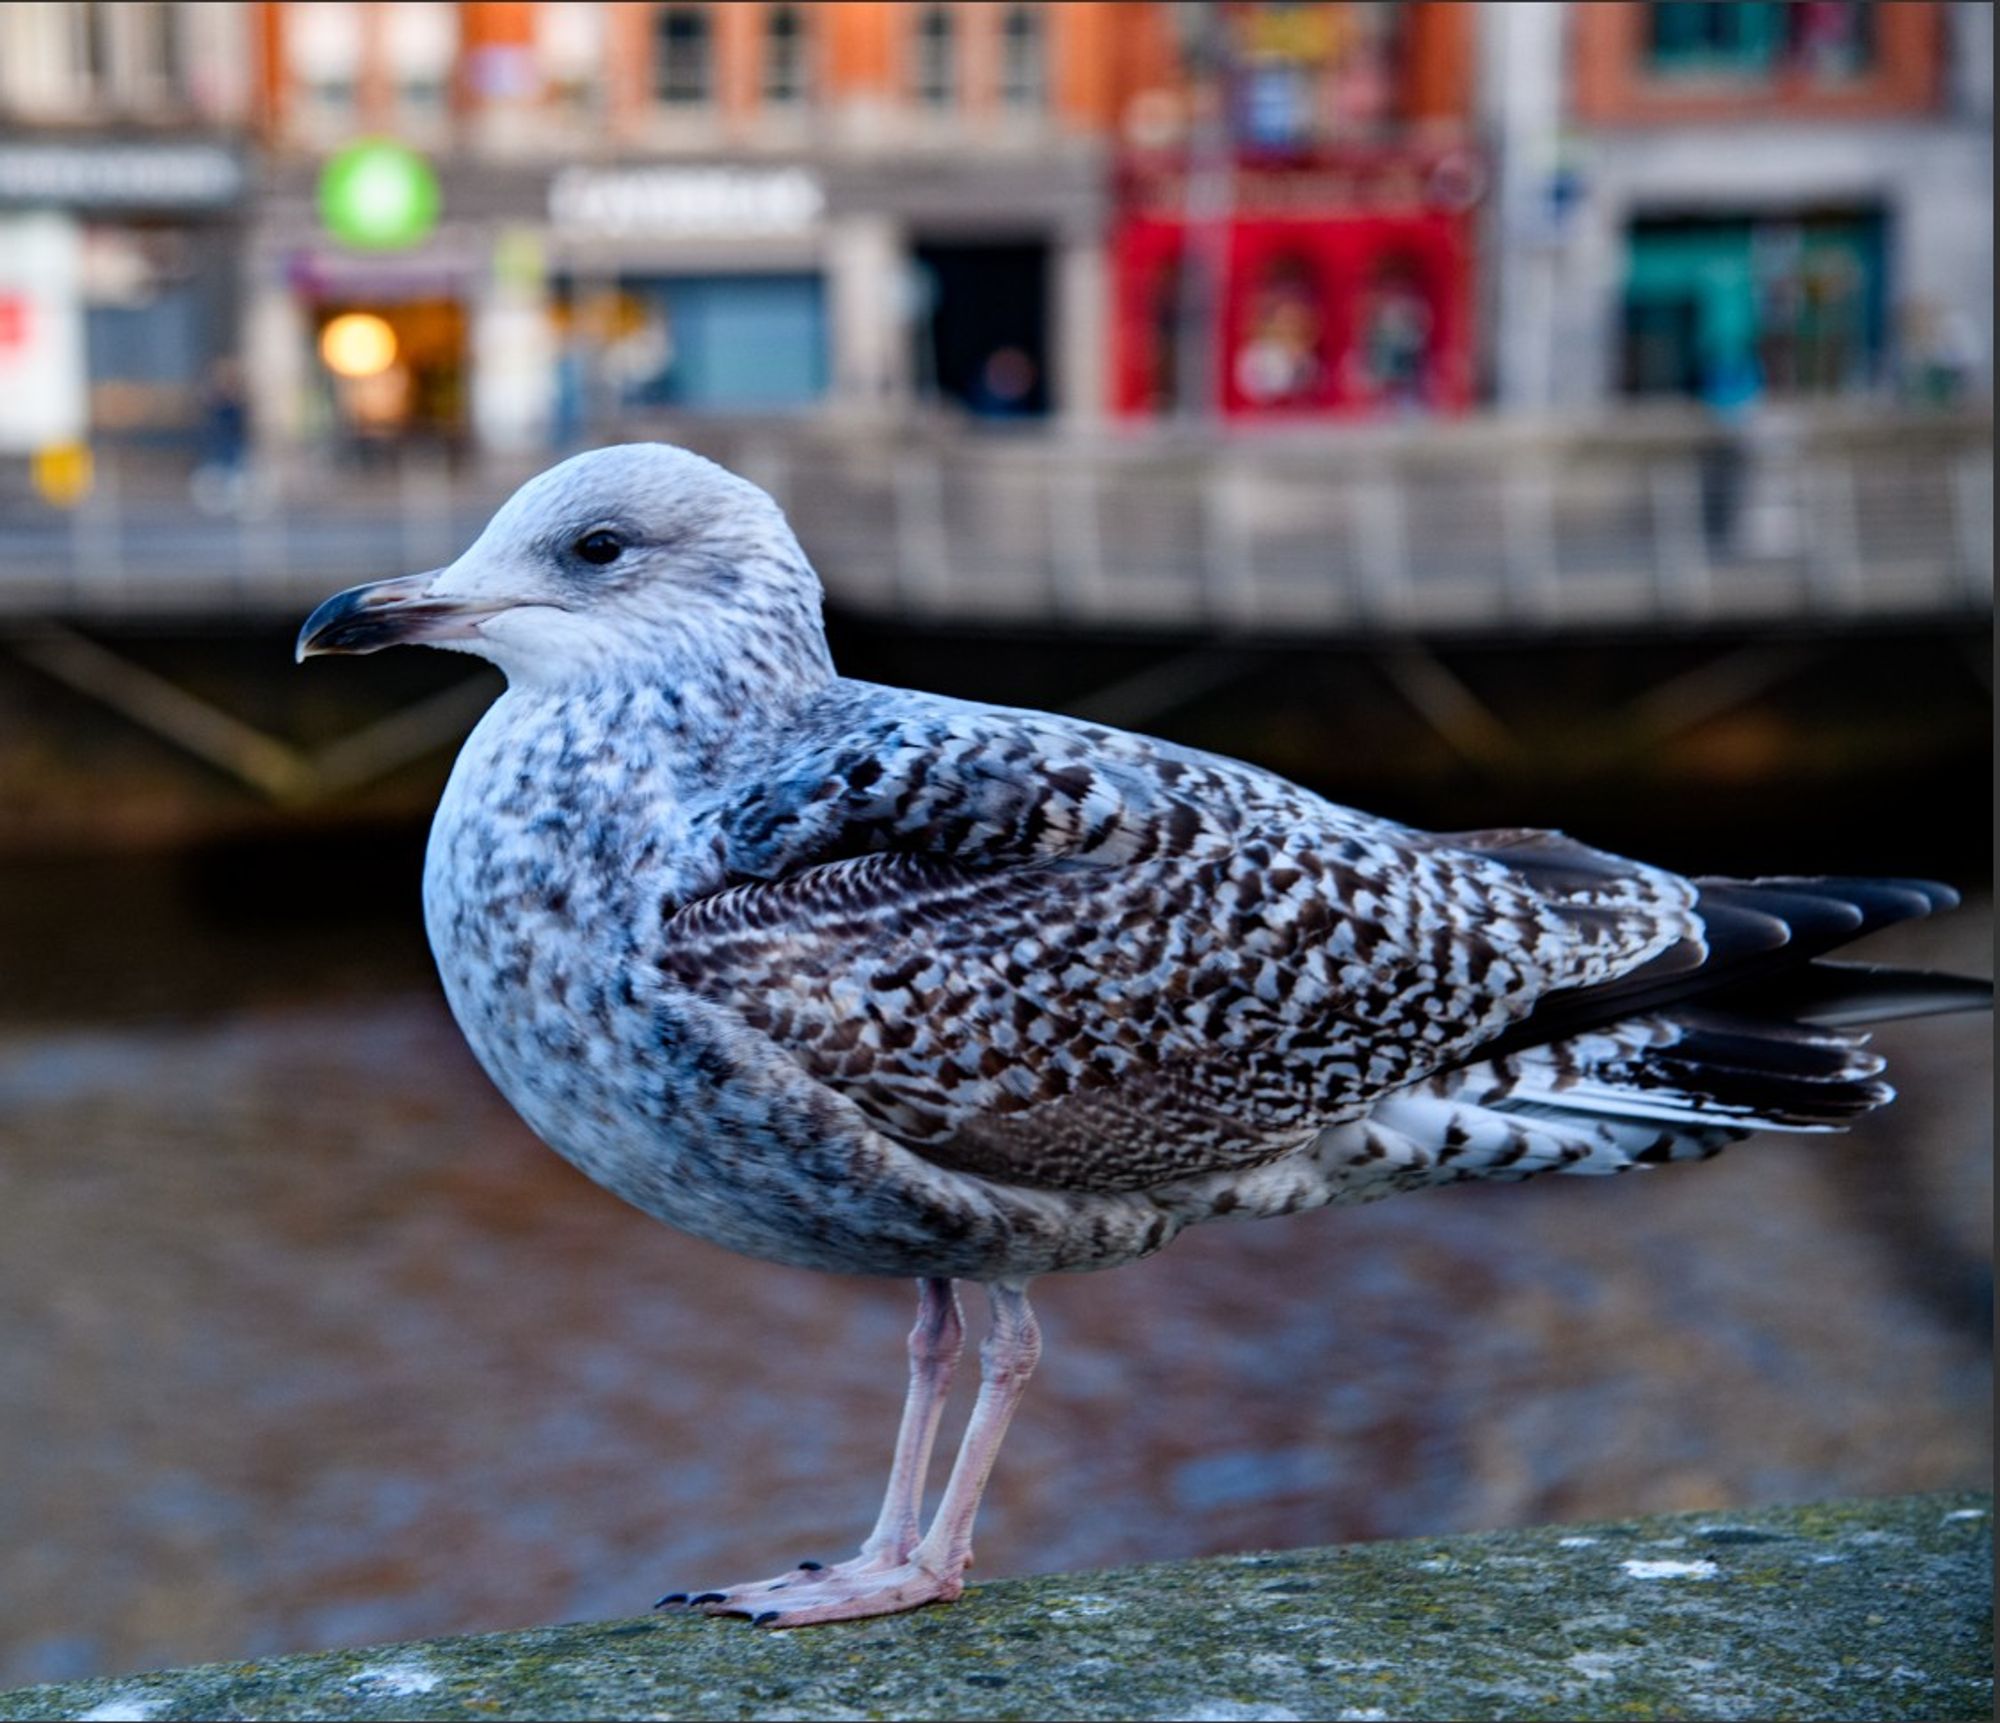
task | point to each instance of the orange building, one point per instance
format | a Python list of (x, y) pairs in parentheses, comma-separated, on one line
[(979, 205), (1689, 64), (755, 206), (750, 73)]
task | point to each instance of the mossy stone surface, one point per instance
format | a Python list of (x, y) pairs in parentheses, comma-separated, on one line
[(1852, 1610)]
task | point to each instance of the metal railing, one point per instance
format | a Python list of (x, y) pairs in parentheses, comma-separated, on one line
[(1473, 526)]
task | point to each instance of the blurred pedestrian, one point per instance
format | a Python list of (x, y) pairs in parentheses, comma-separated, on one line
[(217, 485)]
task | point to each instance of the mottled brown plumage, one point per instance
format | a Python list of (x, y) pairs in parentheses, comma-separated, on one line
[(861, 979)]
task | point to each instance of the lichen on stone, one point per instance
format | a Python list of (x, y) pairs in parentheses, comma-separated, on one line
[(1861, 1610)]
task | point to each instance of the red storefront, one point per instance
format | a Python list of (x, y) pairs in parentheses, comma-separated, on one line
[(1345, 285)]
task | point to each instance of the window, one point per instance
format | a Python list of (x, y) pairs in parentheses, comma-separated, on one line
[(935, 77), (1396, 333), (787, 57), (322, 41), (1302, 75), (143, 324), (569, 40), (1280, 355), (1023, 58), (1830, 43), (422, 40), (93, 22), (1730, 310), (730, 343), (683, 62), (1824, 40), (159, 67)]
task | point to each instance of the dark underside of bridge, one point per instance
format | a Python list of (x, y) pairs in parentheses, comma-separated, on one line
[(1833, 751)]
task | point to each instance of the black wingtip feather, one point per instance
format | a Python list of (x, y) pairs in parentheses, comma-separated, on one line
[(1836, 995), (1761, 937)]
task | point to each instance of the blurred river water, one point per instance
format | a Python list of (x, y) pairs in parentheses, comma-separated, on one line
[(310, 1343)]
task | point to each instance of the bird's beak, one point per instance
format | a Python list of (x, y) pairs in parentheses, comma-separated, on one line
[(397, 612)]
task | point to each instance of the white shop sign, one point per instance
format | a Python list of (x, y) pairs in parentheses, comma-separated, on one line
[(709, 202), (120, 176), (42, 390)]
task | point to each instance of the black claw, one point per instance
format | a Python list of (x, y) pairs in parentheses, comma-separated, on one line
[(780, 1586), (710, 1597), (811, 1566), (671, 1597), (759, 1620)]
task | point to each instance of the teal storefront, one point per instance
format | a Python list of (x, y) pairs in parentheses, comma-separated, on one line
[(1728, 311)]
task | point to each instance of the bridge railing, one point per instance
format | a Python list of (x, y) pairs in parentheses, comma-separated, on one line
[(1474, 526)]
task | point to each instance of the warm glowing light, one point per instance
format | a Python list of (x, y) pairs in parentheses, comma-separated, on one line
[(358, 344)]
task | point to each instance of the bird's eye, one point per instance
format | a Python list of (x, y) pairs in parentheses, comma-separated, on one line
[(599, 547)]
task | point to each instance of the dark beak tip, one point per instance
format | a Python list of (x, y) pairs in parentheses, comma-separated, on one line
[(361, 619), (316, 634)]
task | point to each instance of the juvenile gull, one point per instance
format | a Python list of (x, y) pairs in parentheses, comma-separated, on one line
[(876, 982)]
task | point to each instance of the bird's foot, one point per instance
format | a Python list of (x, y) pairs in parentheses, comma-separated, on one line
[(867, 1585)]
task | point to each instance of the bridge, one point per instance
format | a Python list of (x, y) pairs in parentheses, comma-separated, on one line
[(1154, 570), (1472, 527)]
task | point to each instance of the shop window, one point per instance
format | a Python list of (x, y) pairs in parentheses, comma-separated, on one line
[(1727, 311), (1815, 288), (1662, 349), (1281, 355), (1395, 334), (1023, 58), (934, 77), (787, 57), (413, 385), (1823, 40), (149, 317), (683, 56), (729, 343)]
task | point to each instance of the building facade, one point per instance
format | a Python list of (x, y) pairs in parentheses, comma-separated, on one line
[(1005, 210), (1741, 204), (759, 208), (125, 193), (1295, 188)]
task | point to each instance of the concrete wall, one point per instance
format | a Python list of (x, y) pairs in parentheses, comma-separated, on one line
[(1855, 1609)]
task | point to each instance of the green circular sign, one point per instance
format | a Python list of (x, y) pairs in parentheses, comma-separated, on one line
[(379, 195)]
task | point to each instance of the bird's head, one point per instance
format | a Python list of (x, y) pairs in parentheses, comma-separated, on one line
[(639, 556)]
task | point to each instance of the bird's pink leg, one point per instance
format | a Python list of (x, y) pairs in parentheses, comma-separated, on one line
[(1007, 1358), (935, 1344), (895, 1572)]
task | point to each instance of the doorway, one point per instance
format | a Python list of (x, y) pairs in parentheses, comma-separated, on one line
[(981, 326)]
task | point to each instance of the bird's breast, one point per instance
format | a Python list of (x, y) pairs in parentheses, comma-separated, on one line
[(554, 850)]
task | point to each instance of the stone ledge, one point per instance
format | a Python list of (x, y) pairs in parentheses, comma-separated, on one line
[(1852, 1610)]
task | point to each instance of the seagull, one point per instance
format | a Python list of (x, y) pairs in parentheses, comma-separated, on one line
[(872, 981)]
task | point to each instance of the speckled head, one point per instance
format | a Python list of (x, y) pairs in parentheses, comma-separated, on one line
[(640, 557)]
